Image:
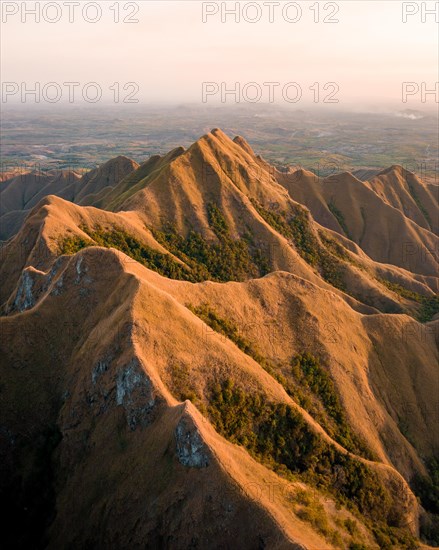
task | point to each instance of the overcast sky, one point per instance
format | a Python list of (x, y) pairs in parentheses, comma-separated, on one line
[(170, 51)]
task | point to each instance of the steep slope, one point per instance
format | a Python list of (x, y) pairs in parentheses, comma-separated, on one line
[(103, 178), (403, 190), (224, 173), (380, 218), (214, 169), (119, 372), (23, 192), (57, 225), (233, 229), (18, 193), (393, 217), (131, 404), (134, 181), (306, 318), (54, 223)]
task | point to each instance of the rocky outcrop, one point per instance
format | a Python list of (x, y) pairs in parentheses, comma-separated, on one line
[(191, 450), (135, 394), (24, 298)]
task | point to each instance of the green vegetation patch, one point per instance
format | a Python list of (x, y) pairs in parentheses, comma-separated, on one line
[(340, 218), (419, 203), (297, 228), (316, 516), (335, 247), (228, 329), (429, 304), (312, 377), (227, 259), (277, 434), (311, 510), (72, 245), (129, 245), (308, 383)]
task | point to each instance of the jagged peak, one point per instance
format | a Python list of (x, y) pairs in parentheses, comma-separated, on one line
[(216, 135), (220, 143), (217, 132), (239, 140)]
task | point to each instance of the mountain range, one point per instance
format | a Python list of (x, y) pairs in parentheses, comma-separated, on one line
[(205, 351)]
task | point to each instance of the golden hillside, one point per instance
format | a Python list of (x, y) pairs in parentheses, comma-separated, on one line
[(199, 355)]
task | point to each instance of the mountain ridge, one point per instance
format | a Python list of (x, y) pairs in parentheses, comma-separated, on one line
[(207, 325)]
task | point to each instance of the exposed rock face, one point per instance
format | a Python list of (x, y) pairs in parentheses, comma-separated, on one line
[(24, 299), (191, 450), (134, 392), (81, 272), (33, 284), (99, 370)]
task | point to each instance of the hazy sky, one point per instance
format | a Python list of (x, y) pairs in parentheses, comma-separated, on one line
[(170, 51)]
